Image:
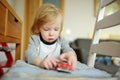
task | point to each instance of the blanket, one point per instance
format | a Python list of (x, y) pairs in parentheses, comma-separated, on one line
[(24, 71)]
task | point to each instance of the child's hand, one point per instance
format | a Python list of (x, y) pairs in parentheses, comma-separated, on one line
[(71, 58), (49, 63)]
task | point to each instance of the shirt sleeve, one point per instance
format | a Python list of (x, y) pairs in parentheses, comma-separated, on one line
[(32, 50), (65, 47)]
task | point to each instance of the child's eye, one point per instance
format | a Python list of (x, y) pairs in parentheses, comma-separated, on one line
[(46, 29), (56, 29)]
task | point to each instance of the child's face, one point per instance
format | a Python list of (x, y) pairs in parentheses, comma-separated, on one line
[(51, 31)]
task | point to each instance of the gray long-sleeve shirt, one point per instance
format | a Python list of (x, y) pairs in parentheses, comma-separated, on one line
[(36, 46)]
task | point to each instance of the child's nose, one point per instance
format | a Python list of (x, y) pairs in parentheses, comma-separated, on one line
[(51, 33)]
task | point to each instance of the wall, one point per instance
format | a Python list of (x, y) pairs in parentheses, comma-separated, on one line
[(79, 18)]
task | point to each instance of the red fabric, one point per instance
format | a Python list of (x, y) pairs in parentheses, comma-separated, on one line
[(4, 44), (8, 55), (9, 59), (1, 71)]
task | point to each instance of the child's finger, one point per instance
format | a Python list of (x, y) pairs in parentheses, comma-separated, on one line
[(63, 56), (54, 62)]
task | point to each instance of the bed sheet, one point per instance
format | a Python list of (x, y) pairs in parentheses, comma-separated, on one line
[(24, 71)]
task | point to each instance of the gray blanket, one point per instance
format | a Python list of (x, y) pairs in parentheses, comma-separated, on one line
[(23, 71)]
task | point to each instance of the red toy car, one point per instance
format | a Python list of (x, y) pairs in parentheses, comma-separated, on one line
[(64, 66)]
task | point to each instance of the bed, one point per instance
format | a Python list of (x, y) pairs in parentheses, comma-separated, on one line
[(21, 70)]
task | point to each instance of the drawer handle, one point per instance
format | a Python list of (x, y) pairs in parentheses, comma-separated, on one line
[(16, 20)]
